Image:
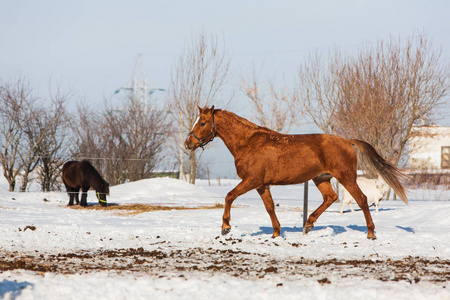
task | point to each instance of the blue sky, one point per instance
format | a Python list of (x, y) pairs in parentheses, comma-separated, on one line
[(90, 47)]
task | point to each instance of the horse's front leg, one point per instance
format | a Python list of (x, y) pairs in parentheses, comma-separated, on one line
[(84, 197), (76, 196), (242, 188), (266, 196)]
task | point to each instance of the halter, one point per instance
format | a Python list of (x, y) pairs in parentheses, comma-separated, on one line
[(100, 200), (213, 133)]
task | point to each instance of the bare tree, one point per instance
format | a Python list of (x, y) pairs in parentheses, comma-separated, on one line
[(389, 88), (33, 136), (274, 108), (27, 129), (198, 76), (14, 98), (53, 124), (138, 132), (86, 141), (317, 91), (19, 143), (125, 141), (377, 95)]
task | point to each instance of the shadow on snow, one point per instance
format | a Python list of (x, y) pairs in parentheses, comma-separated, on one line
[(13, 288), (407, 229), (336, 229)]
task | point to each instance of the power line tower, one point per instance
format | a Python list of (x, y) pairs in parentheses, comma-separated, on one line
[(139, 87), (139, 82)]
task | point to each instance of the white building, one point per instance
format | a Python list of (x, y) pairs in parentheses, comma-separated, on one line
[(429, 148)]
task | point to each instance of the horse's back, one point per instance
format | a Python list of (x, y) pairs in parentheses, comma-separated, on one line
[(322, 149), (315, 141), (323, 140)]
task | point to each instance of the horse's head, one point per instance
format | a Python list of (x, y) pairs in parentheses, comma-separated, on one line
[(203, 131), (102, 192)]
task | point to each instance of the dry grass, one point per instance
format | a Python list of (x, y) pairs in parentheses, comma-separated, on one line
[(134, 209)]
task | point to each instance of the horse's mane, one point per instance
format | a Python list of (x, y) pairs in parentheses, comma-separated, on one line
[(88, 164), (247, 123)]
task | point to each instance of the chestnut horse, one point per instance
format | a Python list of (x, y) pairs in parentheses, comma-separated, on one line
[(264, 157), (76, 175)]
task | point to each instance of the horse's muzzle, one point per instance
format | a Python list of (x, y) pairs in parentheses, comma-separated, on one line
[(188, 145)]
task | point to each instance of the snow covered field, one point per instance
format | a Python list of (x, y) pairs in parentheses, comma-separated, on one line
[(51, 251)]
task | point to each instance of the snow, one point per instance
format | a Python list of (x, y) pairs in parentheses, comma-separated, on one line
[(162, 191), (419, 230)]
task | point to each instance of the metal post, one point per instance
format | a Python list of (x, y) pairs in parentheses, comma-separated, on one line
[(305, 203)]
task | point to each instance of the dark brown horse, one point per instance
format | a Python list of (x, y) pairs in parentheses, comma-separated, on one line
[(76, 175), (264, 157)]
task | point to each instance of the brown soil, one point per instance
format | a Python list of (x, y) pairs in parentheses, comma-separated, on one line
[(178, 263)]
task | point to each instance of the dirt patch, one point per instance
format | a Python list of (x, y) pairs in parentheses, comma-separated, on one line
[(176, 263)]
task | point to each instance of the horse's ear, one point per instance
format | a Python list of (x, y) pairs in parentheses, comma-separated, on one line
[(199, 109)]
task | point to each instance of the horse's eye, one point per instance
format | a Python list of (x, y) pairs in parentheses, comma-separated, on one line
[(202, 124)]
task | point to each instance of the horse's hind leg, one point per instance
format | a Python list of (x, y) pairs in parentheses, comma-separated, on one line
[(352, 187), (70, 192), (84, 196), (329, 196), (73, 195), (266, 196)]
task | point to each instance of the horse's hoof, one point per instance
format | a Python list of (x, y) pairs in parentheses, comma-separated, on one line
[(307, 229), (275, 236), (226, 231), (372, 238)]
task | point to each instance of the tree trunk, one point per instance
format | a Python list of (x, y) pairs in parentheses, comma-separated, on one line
[(12, 185), (193, 167), (23, 188)]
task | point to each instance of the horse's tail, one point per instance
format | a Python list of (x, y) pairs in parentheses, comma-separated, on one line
[(390, 174)]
